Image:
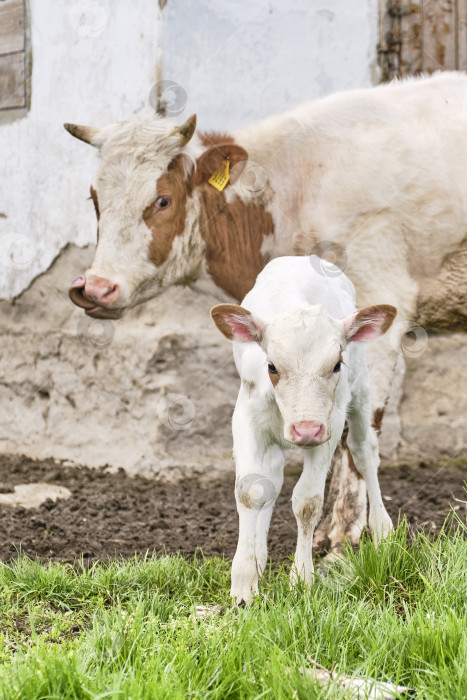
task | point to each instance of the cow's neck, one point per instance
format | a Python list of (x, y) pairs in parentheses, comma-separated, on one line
[(233, 234)]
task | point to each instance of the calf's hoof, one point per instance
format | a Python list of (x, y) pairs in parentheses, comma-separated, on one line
[(380, 527)]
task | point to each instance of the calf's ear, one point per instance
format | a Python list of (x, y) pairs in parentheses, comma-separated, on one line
[(369, 323), (236, 323), (213, 159)]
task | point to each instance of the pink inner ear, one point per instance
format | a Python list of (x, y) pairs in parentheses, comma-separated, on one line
[(367, 332), (371, 329), (239, 329)]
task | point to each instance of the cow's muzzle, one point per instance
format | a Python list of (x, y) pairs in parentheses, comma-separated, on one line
[(97, 296)]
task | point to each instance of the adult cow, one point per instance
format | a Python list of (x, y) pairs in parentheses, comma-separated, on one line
[(382, 173)]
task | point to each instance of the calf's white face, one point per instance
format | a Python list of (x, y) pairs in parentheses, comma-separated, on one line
[(304, 349)]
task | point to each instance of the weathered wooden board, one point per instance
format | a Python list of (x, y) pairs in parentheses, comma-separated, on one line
[(11, 26), (462, 35), (422, 36), (439, 35), (410, 37), (12, 82)]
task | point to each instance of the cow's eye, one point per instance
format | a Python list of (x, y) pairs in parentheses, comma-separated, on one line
[(272, 368), (337, 367), (162, 202)]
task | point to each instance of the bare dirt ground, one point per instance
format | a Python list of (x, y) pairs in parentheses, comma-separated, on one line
[(111, 514)]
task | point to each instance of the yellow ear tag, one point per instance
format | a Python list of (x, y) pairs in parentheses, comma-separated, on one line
[(220, 178)]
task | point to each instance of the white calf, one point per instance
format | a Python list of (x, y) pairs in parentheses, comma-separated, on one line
[(302, 378)]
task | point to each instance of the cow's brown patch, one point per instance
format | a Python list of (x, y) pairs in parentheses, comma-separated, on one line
[(233, 235), (95, 201), (213, 158), (215, 138), (352, 466), (166, 224), (378, 416)]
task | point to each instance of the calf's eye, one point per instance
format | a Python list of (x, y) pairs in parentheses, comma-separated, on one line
[(162, 202), (272, 368), (337, 367)]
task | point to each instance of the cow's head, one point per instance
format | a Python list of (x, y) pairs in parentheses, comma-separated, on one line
[(144, 195), (304, 349)]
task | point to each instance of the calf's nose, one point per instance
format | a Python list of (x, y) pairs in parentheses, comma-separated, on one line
[(101, 291), (307, 432)]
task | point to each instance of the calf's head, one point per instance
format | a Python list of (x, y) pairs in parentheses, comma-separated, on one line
[(147, 216), (304, 349)]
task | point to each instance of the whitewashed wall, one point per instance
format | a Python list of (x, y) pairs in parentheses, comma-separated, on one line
[(95, 61), (239, 60)]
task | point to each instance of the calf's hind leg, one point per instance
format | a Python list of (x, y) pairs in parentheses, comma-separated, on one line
[(363, 448)]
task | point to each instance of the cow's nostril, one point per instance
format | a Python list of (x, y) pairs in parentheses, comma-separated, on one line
[(112, 294)]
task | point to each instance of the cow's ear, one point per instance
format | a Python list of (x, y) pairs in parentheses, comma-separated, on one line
[(369, 323), (213, 161), (236, 323)]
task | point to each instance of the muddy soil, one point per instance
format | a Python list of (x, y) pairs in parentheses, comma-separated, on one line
[(113, 514)]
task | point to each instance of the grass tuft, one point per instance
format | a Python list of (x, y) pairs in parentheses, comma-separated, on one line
[(128, 629)]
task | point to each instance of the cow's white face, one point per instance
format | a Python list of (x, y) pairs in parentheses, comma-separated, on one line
[(142, 198), (146, 201), (304, 349)]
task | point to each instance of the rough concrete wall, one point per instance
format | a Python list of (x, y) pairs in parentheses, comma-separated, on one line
[(154, 391)]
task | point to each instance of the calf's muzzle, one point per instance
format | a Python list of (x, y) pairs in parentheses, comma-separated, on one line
[(308, 433)]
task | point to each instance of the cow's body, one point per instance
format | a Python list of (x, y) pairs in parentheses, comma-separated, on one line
[(377, 175), (302, 376)]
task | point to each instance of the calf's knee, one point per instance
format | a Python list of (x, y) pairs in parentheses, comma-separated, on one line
[(308, 512)]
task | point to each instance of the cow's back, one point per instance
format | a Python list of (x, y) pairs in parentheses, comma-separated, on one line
[(371, 169)]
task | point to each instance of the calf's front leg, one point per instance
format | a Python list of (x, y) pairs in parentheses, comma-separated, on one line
[(252, 495), (307, 504)]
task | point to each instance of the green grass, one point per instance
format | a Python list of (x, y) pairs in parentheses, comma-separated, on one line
[(129, 629)]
